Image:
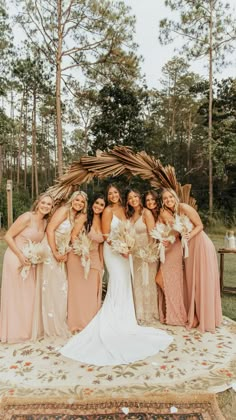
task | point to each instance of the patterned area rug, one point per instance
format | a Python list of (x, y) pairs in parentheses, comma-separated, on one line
[(194, 362), (158, 407)]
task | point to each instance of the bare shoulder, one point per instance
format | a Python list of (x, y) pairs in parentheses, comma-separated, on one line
[(63, 210), (24, 218), (107, 211), (186, 208), (147, 213)]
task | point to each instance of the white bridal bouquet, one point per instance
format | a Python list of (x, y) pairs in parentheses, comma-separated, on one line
[(163, 232), (183, 225), (122, 237), (81, 247), (36, 253)]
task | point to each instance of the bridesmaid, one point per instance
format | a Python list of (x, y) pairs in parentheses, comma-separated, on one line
[(54, 275), (144, 285), (75, 270), (202, 275), (88, 291), (151, 203), (170, 274), (18, 295)]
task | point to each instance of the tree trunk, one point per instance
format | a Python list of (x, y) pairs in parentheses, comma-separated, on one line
[(25, 145), (189, 134), (58, 91), (210, 111), (34, 145), (12, 138), (19, 142), (1, 166)]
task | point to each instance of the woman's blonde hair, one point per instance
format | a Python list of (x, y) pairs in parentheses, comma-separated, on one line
[(74, 195), (35, 204), (172, 192)]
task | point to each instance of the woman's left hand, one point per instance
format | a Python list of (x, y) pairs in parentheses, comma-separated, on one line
[(125, 255), (186, 236)]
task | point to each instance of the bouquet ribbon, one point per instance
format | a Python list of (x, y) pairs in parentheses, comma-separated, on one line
[(131, 265), (184, 243), (162, 253)]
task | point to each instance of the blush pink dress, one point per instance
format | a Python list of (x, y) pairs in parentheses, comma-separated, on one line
[(203, 285), (84, 295), (17, 298), (171, 305)]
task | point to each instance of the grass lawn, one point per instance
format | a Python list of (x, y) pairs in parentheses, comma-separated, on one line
[(228, 301)]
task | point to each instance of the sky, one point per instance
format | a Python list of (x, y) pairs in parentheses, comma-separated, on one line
[(148, 14)]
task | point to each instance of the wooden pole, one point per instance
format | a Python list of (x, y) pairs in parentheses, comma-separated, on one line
[(9, 203)]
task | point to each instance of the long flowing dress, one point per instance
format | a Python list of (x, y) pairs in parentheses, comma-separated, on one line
[(113, 336), (84, 294), (144, 285), (171, 304), (53, 278), (17, 298), (203, 285)]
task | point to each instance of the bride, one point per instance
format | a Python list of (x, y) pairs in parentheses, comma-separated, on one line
[(113, 336)]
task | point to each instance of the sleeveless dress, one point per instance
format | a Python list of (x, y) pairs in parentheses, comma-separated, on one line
[(203, 284), (144, 285), (84, 295), (17, 299), (171, 305), (113, 336), (53, 280)]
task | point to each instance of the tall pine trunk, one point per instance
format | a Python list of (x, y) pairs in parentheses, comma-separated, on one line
[(58, 92), (210, 111)]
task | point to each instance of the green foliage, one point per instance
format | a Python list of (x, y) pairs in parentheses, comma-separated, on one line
[(119, 120), (21, 203)]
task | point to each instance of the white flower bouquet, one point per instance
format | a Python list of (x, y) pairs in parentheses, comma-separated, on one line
[(163, 232), (123, 238), (183, 225), (36, 253), (81, 247)]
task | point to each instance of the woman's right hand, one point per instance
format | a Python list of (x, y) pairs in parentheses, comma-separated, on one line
[(23, 259), (165, 243), (59, 257)]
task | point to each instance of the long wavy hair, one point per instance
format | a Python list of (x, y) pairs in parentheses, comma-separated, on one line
[(35, 204), (129, 210), (155, 196), (107, 191), (177, 200), (90, 210)]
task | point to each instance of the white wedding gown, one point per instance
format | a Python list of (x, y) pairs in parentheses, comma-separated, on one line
[(113, 337)]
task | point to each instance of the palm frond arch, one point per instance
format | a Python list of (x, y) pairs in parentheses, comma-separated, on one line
[(118, 161)]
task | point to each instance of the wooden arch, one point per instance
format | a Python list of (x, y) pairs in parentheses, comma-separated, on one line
[(120, 160)]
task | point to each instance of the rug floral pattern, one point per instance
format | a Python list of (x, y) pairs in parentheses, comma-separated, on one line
[(194, 362)]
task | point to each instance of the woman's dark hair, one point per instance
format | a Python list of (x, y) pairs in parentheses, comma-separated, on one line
[(129, 210), (90, 210), (107, 190), (155, 195)]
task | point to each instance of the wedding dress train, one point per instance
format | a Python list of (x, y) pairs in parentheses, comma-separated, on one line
[(113, 336)]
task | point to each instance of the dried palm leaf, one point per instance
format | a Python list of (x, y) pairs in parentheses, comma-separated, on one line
[(120, 160)]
